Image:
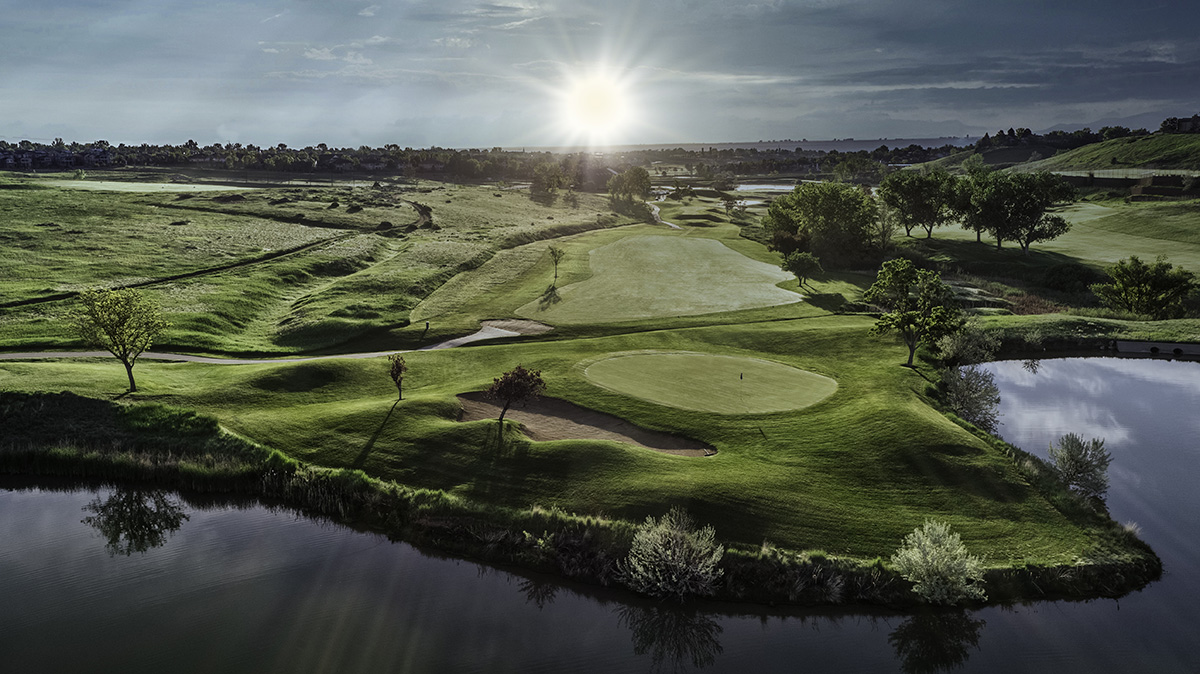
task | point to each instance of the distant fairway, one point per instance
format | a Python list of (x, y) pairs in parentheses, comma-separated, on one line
[(121, 186), (641, 277), (708, 383)]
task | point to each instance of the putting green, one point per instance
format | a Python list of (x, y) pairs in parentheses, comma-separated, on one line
[(659, 276), (708, 383)]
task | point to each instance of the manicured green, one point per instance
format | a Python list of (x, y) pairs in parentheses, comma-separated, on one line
[(710, 383), (640, 277)]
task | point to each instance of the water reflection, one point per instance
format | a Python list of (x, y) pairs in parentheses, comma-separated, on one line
[(674, 637), (540, 593), (135, 520), (935, 641)]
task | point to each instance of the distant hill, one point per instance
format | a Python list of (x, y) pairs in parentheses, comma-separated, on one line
[(1157, 151)]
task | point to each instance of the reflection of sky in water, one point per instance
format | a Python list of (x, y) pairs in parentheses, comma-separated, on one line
[(1146, 412)]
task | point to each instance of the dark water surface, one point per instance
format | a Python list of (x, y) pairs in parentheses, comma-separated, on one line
[(257, 590)]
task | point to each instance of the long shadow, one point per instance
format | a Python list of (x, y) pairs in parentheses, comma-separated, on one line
[(366, 450)]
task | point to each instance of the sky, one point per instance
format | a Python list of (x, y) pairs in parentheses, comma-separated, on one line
[(516, 73)]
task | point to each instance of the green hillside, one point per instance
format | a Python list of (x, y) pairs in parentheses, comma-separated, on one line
[(1158, 151)]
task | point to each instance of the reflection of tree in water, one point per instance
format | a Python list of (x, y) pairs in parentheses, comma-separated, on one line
[(539, 593), (672, 636), (135, 520), (935, 641), (1031, 365)]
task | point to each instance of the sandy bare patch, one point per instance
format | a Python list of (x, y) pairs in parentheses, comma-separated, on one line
[(554, 419)]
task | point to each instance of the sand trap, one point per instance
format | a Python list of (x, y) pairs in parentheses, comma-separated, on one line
[(554, 419)]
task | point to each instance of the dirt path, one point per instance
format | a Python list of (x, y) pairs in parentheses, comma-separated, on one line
[(655, 210), (554, 419), (488, 330)]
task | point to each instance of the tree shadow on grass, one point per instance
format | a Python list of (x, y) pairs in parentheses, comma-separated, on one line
[(366, 450)]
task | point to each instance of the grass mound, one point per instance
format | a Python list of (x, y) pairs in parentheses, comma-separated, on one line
[(641, 277), (711, 383)]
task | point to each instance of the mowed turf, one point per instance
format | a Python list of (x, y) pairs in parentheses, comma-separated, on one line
[(711, 383), (641, 277)]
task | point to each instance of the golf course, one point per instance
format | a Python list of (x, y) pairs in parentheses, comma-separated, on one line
[(682, 367)]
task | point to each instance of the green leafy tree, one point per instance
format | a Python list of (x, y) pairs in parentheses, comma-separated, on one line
[(1082, 464), (671, 557), (397, 370), (969, 209), (1014, 206), (547, 177), (917, 304), (633, 183), (830, 220), (803, 265), (1158, 290), (556, 255), (516, 385), (939, 566), (123, 322), (921, 199)]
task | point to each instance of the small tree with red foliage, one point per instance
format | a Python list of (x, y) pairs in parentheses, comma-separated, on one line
[(516, 385)]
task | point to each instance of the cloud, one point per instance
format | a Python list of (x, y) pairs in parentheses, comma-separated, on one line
[(322, 54), (356, 58), (271, 50), (369, 11), (455, 42)]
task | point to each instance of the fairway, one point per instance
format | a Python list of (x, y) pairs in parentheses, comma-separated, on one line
[(121, 186), (708, 383), (641, 277)]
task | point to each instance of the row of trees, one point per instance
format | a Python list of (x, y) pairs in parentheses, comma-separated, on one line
[(1006, 206)]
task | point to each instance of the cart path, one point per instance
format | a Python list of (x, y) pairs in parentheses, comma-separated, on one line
[(487, 330)]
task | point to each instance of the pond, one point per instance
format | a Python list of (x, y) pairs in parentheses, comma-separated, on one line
[(143, 581)]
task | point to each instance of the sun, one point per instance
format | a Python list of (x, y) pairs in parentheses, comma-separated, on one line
[(595, 106)]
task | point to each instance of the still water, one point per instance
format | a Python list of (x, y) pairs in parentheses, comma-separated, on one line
[(107, 580)]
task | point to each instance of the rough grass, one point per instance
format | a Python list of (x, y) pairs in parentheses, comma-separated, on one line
[(1162, 151), (710, 383), (360, 284)]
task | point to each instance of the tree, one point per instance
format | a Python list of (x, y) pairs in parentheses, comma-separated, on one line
[(556, 255), (547, 177), (123, 322), (830, 220), (632, 183), (939, 566), (1013, 206), (1158, 290), (965, 204), (516, 385), (917, 304), (1082, 465), (398, 368), (921, 199), (803, 265), (671, 557)]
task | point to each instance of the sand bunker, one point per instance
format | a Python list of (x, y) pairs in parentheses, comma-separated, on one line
[(554, 419)]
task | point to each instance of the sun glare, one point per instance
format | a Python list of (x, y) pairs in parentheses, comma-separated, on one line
[(595, 107)]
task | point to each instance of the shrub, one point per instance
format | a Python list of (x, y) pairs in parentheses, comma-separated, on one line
[(671, 557), (939, 566), (1083, 465)]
